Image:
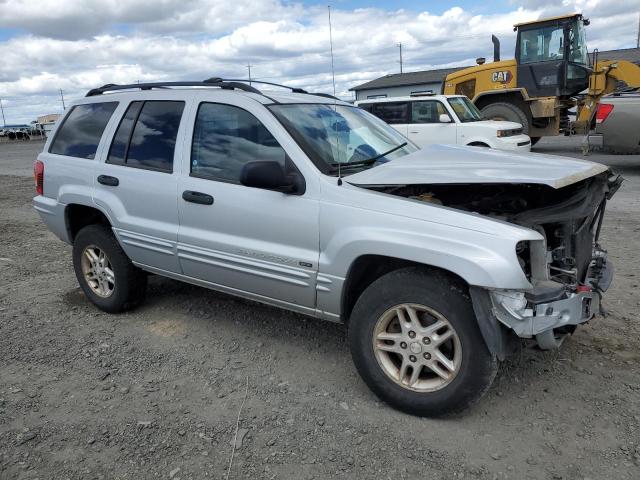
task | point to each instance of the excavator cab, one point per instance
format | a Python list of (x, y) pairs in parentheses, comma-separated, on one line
[(551, 56)]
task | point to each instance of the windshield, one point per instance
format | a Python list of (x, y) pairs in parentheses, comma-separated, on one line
[(465, 110), (341, 136)]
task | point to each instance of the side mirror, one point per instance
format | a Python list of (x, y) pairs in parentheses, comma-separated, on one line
[(270, 175), (444, 118)]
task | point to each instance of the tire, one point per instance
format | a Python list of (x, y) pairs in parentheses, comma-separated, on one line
[(535, 140), (442, 295), (507, 111), (125, 284)]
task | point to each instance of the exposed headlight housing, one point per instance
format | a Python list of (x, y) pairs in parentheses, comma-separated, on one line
[(512, 132)]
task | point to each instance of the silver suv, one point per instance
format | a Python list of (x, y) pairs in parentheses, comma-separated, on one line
[(438, 260)]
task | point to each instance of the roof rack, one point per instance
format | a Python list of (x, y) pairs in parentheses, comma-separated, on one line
[(211, 82), (225, 83)]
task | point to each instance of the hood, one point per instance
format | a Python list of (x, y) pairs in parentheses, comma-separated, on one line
[(493, 124), (444, 164)]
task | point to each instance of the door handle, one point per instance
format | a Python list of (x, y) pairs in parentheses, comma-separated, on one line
[(197, 197), (108, 180)]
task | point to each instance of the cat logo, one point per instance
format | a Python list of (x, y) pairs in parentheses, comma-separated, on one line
[(503, 76)]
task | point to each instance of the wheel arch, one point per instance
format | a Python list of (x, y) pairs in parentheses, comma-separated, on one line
[(517, 96), (366, 269), (78, 216)]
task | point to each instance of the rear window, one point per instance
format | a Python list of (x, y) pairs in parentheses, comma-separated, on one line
[(80, 133), (146, 136)]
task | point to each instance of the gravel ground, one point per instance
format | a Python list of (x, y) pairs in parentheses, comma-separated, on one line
[(156, 393)]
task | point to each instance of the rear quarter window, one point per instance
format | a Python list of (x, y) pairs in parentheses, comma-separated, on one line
[(82, 129)]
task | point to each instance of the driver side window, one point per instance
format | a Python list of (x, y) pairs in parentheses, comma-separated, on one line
[(225, 138)]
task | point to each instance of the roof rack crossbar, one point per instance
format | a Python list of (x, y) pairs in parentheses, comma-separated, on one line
[(293, 89)]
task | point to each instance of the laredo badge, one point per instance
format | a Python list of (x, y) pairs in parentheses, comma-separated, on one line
[(502, 76)]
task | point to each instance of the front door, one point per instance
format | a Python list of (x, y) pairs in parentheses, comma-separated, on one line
[(242, 239), (426, 128)]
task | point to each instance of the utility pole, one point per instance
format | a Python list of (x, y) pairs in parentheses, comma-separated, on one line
[(4, 122), (62, 98), (638, 39), (249, 68), (399, 45)]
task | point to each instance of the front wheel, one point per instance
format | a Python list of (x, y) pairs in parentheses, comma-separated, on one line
[(416, 343)]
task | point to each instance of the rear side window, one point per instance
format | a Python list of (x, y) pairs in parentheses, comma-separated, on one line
[(226, 138), (392, 112), (80, 133), (146, 136), (428, 111)]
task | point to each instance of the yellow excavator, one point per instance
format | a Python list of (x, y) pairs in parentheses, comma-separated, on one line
[(551, 73)]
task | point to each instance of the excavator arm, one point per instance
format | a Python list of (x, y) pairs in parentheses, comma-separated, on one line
[(604, 80)]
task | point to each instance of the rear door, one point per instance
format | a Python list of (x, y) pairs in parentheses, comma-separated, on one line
[(395, 114), (136, 184), (426, 128)]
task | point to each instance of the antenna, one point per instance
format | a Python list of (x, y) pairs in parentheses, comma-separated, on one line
[(333, 72), (399, 45), (249, 68), (333, 78)]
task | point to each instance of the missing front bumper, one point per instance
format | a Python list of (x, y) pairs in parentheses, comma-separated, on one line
[(546, 311)]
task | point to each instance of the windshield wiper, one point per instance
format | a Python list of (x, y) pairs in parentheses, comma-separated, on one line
[(368, 161)]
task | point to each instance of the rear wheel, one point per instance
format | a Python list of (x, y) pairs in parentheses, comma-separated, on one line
[(105, 273), (416, 343), (507, 111)]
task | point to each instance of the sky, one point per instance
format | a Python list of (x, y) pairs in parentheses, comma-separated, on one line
[(76, 45)]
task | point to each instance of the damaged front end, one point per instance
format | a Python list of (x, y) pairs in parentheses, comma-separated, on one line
[(568, 269)]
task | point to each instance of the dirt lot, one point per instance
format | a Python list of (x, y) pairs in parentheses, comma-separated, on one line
[(156, 393)]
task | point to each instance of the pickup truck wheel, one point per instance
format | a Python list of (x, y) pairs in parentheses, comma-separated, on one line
[(105, 273), (416, 343)]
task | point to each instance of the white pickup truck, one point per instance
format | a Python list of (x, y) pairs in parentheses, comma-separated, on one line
[(446, 119)]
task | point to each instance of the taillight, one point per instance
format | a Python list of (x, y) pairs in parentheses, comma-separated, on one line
[(604, 109), (38, 175)]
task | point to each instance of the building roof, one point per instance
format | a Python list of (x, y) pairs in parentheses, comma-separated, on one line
[(630, 54), (433, 76), (411, 78)]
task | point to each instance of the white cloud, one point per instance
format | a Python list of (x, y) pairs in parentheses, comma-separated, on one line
[(80, 44)]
